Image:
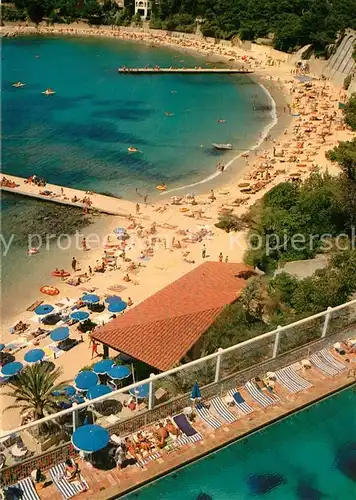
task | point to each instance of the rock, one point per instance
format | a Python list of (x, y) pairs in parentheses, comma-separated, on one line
[(305, 491), (204, 496), (346, 460)]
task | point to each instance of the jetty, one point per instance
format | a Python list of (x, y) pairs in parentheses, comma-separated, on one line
[(188, 71), (87, 200)]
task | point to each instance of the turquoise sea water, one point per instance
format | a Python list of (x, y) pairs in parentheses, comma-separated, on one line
[(309, 456), (80, 136)]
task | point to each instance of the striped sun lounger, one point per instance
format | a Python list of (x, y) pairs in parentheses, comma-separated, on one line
[(189, 434), (297, 378), (205, 414), (262, 399), (27, 488), (220, 408), (67, 489), (329, 358), (147, 460), (287, 382), (244, 407), (325, 368)]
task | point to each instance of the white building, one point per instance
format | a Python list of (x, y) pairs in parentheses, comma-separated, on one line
[(143, 7)]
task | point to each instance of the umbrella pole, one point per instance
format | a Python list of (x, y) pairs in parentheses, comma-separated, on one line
[(133, 378)]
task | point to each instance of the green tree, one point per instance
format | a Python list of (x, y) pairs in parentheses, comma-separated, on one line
[(350, 111), (345, 155), (33, 389)]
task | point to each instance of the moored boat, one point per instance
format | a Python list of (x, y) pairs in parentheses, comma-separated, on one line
[(48, 91), (222, 146), (18, 85)]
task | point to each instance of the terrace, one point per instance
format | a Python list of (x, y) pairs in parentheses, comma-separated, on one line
[(333, 325)]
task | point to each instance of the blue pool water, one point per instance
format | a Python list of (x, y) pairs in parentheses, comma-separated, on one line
[(308, 456)]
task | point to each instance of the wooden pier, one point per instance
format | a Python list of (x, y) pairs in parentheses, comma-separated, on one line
[(188, 71), (69, 196)]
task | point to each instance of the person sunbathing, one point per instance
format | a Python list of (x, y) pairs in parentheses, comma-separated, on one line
[(143, 442), (133, 449), (161, 435), (72, 472), (20, 327), (172, 429)]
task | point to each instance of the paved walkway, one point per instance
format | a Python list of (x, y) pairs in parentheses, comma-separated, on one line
[(109, 484)]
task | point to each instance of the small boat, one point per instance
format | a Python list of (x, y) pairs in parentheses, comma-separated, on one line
[(161, 187), (168, 113), (222, 146), (60, 274), (221, 121), (131, 149), (49, 290), (48, 92), (32, 251), (18, 85)]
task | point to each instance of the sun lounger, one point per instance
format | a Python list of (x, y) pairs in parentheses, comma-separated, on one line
[(244, 407), (223, 412), (319, 363), (262, 399), (28, 489), (189, 434), (300, 380), (329, 359), (287, 382), (66, 488), (205, 414)]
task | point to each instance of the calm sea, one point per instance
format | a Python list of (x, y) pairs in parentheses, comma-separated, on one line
[(80, 136)]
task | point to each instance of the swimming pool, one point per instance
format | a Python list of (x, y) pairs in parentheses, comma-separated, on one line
[(308, 456)]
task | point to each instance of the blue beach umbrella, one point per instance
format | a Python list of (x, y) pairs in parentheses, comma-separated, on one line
[(90, 438), (101, 367), (34, 355), (140, 392), (12, 368), (119, 372), (98, 390), (116, 307), (85, 380), (80, 315), (60, 334), (195, 392), (68, 390), (113, 298), (90, 298), (44, 309), (2, 347)]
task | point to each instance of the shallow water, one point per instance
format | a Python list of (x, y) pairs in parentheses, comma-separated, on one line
[(309, 456)]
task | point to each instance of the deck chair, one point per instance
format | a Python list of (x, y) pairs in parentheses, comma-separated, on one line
[(25, 486), (205, 415), (242, 405), (262, 399), (220, 408), (66, 488)]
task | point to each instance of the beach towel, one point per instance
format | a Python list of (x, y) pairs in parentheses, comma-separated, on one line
[(55, 350), (28, 489), (240, 402), (66, 488), (184, 425), (205, 414), (33, 306), (223, 412)]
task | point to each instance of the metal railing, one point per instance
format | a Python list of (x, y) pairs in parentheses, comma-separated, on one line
[(216, 373)]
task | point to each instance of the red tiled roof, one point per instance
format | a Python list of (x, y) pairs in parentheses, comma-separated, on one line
[(163, 328)]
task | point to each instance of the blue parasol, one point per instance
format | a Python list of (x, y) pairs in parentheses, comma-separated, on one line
[(119, 372), (101, 367), (59, 334), (68, 390), (2, 347), (44, 309), (80, 315), (85, 380), (116, 307), (113, 298), (11, 369), (90, 298), (90, 438), (34, 355), (98, 390), (140, 392), (195, 392)]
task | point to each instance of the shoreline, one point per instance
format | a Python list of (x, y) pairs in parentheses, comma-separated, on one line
[(164, 263), (234, 165)]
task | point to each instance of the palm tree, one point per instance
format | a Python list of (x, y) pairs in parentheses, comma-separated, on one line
[(33, 389)]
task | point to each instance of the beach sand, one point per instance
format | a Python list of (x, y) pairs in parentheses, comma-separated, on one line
[(162, 221)]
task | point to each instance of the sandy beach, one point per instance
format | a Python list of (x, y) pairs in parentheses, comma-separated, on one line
[(166, 237)]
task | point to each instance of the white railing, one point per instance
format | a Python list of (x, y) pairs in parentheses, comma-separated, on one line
[(153, 380)]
